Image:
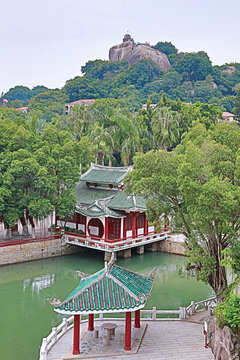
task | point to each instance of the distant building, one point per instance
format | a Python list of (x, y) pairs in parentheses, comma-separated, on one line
[(22, 109), (84, 102), (228, 117), (3, 101), (153, 106)]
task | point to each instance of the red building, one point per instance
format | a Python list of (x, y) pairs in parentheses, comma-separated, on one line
[(104, 211)]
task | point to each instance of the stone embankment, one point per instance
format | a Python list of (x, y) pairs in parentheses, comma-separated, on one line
[(174, 244), (18, 251), (225, 345)]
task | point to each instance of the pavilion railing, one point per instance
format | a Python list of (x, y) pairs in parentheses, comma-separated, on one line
[(107, 245), (181, 314)]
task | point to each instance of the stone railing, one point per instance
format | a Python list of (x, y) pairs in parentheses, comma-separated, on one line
[(107, 245), (54, 336), (152, 315), (206, 304)]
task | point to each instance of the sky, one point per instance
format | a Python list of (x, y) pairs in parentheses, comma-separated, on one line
[(46, 42)]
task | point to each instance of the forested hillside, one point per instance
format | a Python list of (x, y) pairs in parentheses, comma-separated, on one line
[(191, 78)]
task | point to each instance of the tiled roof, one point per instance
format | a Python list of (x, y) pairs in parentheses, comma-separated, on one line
[(98, 209), (225, 113), (81, 101), (124, 202), (105, 174), (109, 200), (87, 195), (111, 289)]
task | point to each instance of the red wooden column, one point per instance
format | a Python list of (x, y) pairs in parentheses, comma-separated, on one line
[(85, 223), (134, 225), (90, 322), (76, 333), (106, 228), (124, 228), (137, 319), (128, 332), (145, 225)]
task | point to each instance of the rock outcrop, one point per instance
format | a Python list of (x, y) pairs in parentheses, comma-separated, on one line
[(225, 345), (131, 52), (229, 70)]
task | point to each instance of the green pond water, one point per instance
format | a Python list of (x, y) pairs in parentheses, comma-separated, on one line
[(26, 316)]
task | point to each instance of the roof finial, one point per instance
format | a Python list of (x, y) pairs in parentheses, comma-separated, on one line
[(153, 273), (55, 302), (81, 274)]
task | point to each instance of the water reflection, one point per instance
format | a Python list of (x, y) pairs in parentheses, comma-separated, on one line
[(39, 283)]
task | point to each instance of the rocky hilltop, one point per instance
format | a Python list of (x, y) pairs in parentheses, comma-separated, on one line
[(131, 52)]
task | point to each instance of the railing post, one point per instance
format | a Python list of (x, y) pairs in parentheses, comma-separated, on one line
[(154, 313), (193, 307), (43, 353), (182, 313), (101, 316), (65, 325), (54, 330)]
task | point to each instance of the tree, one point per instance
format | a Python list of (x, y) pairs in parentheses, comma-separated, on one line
[(49, 103), (236, 110), (166, 47), (194, 67), (165, 127), (196, 186), (38, 172), (23, 93)]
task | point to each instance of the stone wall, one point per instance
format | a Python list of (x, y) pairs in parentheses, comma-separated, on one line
[(171, 246), (35, 250), (225, 345)]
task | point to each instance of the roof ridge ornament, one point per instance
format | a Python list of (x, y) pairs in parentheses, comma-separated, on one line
[(153, 273), (81, 274), (109, 264), (55, 302)]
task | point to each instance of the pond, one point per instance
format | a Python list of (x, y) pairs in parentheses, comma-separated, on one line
[(26, 316)]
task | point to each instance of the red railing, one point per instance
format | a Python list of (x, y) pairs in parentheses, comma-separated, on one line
[(27, 241)]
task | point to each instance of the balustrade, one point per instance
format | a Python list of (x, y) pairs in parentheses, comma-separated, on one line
[(67, 324)]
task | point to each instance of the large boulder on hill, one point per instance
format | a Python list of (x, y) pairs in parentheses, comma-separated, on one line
[(132, 53)]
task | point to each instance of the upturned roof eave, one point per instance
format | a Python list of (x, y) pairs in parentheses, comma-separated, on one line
[(100, 311)]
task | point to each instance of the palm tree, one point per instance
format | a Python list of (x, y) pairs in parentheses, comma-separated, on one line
[(102, 141), (128, 136), (165, 127)]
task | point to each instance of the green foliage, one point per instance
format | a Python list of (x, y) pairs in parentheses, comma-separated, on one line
[(48, 104), (166, 47), (237, 107), (23, 93), (38, 173), (227, 313), (102, 69), (194, 67), (195, 185), (165, 124)]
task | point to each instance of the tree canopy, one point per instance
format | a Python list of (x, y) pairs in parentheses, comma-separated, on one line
[(197, 187)]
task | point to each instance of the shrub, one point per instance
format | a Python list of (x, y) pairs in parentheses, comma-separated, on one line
[(227, 313)]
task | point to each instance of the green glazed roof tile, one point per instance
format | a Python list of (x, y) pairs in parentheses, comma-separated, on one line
[(109, 289), (85, 195), (105, 174), (121, 201)]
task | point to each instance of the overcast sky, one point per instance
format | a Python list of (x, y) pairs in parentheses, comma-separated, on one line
[(46, 42)]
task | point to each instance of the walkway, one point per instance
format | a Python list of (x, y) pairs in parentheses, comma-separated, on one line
[(163, 340)]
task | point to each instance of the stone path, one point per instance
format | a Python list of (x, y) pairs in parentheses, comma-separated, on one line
[(163, 340)]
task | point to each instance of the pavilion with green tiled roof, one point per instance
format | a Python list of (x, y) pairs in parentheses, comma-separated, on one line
[(111, 290), (103, 209)]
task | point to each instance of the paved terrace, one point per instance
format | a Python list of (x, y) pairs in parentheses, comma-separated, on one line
[(163, 340)]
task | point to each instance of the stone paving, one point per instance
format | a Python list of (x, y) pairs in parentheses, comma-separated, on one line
[(163, 340), (91, 347)]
